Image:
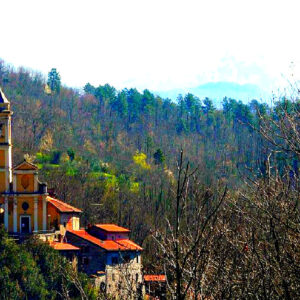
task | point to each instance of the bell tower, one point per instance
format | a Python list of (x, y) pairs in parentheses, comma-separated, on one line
[(5, 144)]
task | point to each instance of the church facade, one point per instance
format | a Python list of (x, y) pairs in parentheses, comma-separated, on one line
[(25, 205)]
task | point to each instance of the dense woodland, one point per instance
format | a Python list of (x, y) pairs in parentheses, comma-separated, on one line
[(211, 194), (36, 271)]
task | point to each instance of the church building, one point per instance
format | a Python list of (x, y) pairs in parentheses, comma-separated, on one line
[(103, 251), (25, 205)]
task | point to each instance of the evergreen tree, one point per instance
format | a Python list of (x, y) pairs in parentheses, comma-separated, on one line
[(54, 81), (20, 277), (89, 89), (159, 157)]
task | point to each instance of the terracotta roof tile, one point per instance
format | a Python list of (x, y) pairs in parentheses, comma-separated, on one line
[(155, 278), (63, 246), (129, 244), (112, 228), (109, 245), (62, 206)]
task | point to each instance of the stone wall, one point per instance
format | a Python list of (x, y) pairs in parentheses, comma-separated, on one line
[(91, 258), (125, 278)]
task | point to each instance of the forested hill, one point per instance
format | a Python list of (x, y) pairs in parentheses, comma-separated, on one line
[(112, 125), (119, 148)]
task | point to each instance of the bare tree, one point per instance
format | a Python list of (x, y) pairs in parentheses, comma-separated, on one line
[(185, 244), (247, 246), (281, 127), (257, 251)]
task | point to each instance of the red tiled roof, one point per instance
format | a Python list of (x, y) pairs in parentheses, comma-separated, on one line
[(128, 244), (112, 228), (109, 245), (155, 277), (62, 206), (63, 246)]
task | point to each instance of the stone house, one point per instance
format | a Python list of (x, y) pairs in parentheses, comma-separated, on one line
[(110, 257)]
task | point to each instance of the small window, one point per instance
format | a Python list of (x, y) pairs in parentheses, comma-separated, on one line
[(25, 206), (137, 259)]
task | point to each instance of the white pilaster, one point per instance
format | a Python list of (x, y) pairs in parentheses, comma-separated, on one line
[(6, 170), (44, 213), (15, 213), (15, 183), (6, 212), (9, 130), (35, 178), (10, 163), (36, 214)]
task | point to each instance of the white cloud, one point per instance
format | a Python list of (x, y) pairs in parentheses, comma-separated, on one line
[(153, 44)]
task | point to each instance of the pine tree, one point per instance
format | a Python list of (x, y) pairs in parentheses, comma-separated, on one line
[(54, 82), (159, 157)]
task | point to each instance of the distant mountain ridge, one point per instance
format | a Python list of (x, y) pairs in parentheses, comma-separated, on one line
[(218, 90)]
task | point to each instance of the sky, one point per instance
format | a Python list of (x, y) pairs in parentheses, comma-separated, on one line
[(158, 45)]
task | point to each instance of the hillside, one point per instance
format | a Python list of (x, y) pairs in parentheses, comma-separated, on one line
[(120, 142), (221, 211)]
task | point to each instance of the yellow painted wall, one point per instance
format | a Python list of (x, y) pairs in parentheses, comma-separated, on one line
[(2, 158), (2, 137), (54, 215), (30, 211), (20, 188), (2, 181)]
